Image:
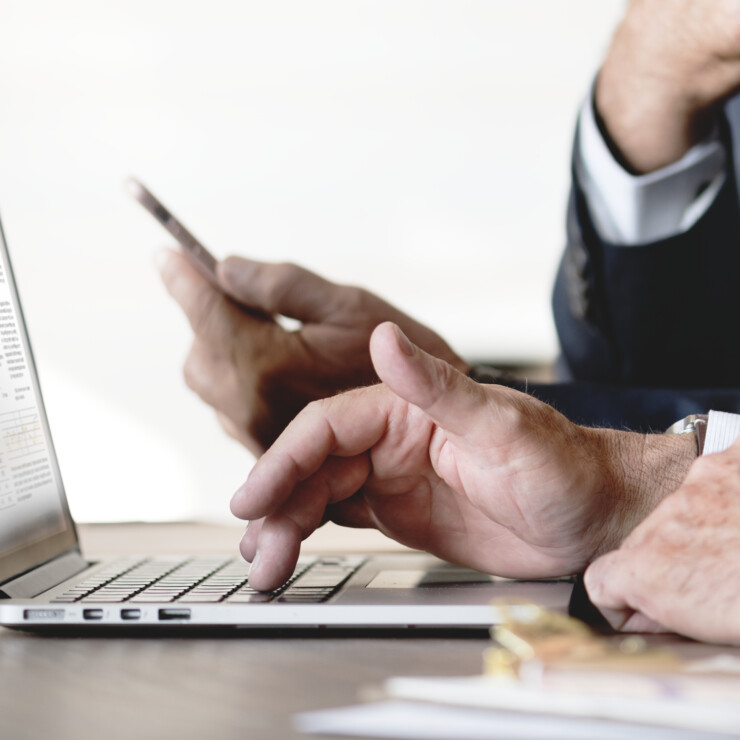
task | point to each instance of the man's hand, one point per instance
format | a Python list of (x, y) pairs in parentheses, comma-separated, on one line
[(679, 570), (480, 475), (258, 375), (669, 67)]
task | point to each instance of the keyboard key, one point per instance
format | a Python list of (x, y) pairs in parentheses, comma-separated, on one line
[(258, 597), (208, 580)]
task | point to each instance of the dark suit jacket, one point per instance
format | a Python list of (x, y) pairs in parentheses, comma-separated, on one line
[(650, 329)]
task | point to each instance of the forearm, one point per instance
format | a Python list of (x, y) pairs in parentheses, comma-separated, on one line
[(663, 80), (650, 124), (638, 471)]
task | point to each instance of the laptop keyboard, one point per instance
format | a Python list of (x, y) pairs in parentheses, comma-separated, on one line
[(208, 580)]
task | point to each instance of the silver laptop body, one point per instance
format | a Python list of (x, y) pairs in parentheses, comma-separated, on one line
[(47, 584)]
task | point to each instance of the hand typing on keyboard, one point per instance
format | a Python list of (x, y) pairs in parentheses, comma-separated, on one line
[(479, 475)]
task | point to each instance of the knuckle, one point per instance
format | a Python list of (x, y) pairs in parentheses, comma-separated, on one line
[(519, 414), (244, 415), (234, 263), (205, 374), (446, 375), (207, 312), (168, 271), (649, 579), (357, 301), (192, 371), (594, 580), (281, 279), (316, 408)]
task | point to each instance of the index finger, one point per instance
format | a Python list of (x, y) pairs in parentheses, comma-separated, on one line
[(344, 426), (208, 310)]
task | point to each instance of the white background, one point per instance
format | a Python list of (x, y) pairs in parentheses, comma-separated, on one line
[(420, 148)]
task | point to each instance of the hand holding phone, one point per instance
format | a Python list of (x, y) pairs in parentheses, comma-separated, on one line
[(203, 261)]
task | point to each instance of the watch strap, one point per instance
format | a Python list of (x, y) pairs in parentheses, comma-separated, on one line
[(696, 423)]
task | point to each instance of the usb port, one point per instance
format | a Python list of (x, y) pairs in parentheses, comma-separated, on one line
[(92, 613), (130, 613), (43, 614), (165, 614)]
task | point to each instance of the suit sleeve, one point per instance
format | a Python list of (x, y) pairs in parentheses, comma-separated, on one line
[(640, 408), (656, 315), (636, 408)]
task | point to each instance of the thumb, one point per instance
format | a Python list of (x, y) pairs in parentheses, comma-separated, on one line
[(613, 585), (450, 398), (606, 581), (279, 288)]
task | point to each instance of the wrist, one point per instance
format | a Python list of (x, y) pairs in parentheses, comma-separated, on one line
[(648, 126), (639, 471), (649, 102)]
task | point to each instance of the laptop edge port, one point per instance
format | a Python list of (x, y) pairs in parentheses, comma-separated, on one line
[(173, 614)]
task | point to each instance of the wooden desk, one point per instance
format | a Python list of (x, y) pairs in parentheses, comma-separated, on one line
[(245, 686)]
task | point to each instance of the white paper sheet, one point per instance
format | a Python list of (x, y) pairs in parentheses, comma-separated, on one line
[(406, 720)]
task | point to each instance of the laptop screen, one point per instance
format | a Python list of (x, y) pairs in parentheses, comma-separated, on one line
[(35, 524)]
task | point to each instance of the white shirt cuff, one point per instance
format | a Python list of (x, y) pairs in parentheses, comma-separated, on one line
[(629, 210), (722, 430)]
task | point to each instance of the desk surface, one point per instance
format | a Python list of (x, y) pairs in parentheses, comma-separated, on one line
[(203, 687)]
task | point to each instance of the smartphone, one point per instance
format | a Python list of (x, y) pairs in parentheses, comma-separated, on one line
[(203, 261)]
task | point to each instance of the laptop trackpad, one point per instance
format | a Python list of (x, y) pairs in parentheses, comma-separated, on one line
[(436, 577), (422, 579)]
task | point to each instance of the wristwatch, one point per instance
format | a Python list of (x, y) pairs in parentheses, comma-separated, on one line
[(696, 423)]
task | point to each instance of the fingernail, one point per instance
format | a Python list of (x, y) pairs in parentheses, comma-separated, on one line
[(403, 342)]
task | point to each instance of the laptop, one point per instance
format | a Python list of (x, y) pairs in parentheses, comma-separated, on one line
[(46, 583)]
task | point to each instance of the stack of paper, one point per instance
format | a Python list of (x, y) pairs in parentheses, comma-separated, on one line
[(549, 676), (598, 707)]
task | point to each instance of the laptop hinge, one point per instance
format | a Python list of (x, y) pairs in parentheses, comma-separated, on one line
[(45, 576)]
